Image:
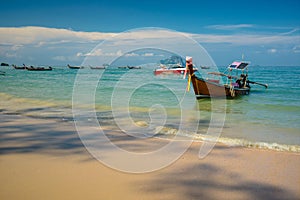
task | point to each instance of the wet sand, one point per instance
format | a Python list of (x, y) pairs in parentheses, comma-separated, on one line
[(45, 159)]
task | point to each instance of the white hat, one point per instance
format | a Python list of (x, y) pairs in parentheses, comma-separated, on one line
[(189, 59)]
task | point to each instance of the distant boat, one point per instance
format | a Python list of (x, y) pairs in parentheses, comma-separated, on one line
[(205, 67), (122, 67), (4, 64), (171, 69), (233, 87), (31, 68), (19, 67), (134, 67), (75, 67), (100, 67)]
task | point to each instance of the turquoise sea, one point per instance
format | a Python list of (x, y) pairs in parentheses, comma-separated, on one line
[(267, 118)]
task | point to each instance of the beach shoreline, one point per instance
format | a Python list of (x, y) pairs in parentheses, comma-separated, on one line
[(45, 159)]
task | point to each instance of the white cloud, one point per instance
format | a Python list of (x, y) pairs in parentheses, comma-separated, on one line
[(100, 52), (230, 27), (69, 45), (11, 55), (148, 54), (272, 50), (290, 32), (60, 58), (65, 58), (296, 49), (255, 35), (16, 47), (247, 39), (42, 35), (131, 54)]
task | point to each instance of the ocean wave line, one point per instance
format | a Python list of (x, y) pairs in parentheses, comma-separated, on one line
[(231, 142)]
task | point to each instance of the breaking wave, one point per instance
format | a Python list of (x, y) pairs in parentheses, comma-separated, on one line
[(231, 142)]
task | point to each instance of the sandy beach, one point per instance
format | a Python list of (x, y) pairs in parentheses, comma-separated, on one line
[(45, 159)]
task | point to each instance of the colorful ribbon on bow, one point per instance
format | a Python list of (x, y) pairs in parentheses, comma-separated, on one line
[(189, 61)]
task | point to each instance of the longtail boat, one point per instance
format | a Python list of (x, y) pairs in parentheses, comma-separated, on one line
[(134, 67), (74, 67), (19, 67), (234, 86), (171, 69), (31, 68)]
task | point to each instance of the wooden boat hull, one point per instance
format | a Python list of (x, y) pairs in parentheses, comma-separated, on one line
[(19, 67), (206, 89), (177, 71), (75, 67), (134, 67), (16, 67), (169, 71), (39, 69)]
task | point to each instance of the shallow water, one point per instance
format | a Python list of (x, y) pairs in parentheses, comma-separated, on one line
[(266, 115)]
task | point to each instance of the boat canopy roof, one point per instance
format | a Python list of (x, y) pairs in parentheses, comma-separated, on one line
[(238, 65)]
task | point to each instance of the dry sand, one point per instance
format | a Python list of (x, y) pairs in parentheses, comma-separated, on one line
[(44, 159)]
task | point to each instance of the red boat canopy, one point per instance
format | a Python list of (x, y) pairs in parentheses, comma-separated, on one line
[(238, 65)]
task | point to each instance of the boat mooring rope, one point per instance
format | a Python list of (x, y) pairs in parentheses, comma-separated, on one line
[(232, 93)]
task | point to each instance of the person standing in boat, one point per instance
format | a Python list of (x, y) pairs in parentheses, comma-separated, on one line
[(242, 81)]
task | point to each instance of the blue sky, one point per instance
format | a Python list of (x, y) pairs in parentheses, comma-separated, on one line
[(267, 32)]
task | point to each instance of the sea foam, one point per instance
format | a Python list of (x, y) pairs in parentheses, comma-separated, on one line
[(231, 142)]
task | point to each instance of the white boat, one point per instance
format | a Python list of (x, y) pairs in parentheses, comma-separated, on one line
[(171, 69)]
